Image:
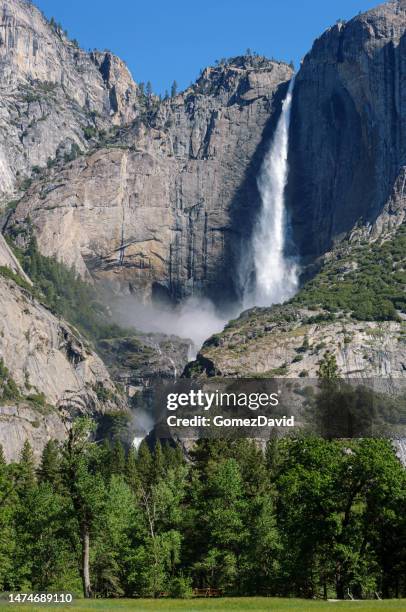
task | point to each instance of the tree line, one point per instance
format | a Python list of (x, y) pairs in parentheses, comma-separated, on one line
[(301, 517)]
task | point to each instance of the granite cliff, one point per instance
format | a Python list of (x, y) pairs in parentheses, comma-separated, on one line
[(347, 149), (164, 208), (47, 372), (179, 195), (290, 342), (346, 202), (54, 97)]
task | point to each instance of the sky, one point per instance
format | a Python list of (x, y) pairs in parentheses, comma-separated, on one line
[(166, 40)]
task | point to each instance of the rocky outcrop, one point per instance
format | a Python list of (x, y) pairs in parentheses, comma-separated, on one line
[(43, 353), (138, 361), (9, 260), (22, 422), (165, 211), (50, 366), (348, 131), (53, 95), (290, 342)]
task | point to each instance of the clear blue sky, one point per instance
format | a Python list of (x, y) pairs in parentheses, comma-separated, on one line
[(163, 40)]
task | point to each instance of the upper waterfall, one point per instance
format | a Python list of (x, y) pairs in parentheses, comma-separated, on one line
[(276, 275)]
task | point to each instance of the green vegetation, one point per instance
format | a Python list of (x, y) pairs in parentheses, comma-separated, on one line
[(62, 290), (31, 96), (8, 388), (41, 90), (126, 351), (11, 206), (46, 87), (214, 340), (252, 604), (306, 518), (25, 183), (328, 369), (366, 281), (281, 371), (6, 272), (90, 132), (10, 392), (73, 154), (58, 28)]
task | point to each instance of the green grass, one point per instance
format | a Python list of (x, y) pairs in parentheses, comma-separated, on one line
[(365, 280), (256, 604)]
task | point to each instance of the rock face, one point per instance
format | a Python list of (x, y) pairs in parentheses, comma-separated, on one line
[(9, 260), (21, 422), (42, 351), (164, 212), (140, 360), (348, 130), (286, 341), (49, 363), (51, 91), (179, 192)]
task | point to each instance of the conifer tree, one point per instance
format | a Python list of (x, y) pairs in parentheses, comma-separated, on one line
[(117, 465), (26, 469), (131, 472), (49, 469), (8, 502), (158, 461), (145, 464), (174, 89)]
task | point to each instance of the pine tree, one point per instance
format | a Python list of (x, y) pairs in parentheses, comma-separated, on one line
[(145, 464), (114, 543), (174, 89), (131, 472), (117, 465), (26, 468), (158, 462), (106, 459), (49, 469), (222, 513), (8, 503)]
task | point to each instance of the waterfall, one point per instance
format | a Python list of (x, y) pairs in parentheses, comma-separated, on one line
[(276, 275)]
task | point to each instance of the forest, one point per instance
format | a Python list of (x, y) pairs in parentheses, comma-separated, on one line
[(300, 517)]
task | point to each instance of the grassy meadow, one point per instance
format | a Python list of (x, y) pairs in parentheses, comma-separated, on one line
[(253, 604)]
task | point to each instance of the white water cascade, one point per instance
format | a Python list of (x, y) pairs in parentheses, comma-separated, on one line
[(276, 275)]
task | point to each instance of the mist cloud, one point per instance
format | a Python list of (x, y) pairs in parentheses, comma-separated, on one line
[(195, 318)]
